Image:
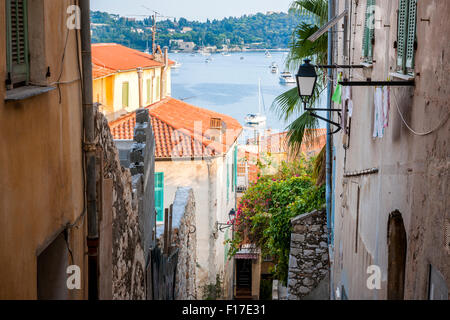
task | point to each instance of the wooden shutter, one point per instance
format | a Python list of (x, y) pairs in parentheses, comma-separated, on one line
[(411, 38), (17, 41), (125, 94), (401, 33), (159, 196)]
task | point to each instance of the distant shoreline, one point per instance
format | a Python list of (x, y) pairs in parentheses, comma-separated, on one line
[(236, 51)]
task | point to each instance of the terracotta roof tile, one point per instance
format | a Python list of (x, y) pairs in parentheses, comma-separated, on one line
[(108, 58), (180, 130)]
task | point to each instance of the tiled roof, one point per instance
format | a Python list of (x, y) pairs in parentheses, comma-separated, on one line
[(108, 58), (99, 71), (181, 129)]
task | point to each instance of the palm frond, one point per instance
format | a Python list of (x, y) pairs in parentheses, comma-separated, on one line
[(317, 9), (301, 130)]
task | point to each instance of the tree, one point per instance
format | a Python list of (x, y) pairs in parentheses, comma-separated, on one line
[(302, 129)]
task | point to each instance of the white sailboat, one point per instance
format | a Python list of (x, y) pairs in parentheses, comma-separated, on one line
[(147, 50), (268, 55), (258, 120)]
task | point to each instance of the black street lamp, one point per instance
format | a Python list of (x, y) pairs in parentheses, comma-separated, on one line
[(232, 219), (306, 83)]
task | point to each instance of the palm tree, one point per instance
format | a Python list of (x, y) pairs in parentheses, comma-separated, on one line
[(314, 14)]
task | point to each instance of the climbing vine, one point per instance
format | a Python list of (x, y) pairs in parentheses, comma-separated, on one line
[(265, 210)]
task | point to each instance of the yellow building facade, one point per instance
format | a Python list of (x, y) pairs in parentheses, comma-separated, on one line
[(127, 79)]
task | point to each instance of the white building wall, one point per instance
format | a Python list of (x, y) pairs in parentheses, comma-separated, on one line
[(209, 187)]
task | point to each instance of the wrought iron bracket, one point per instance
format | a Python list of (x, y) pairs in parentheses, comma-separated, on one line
[(312, 113), (369, 83), (337, 66)]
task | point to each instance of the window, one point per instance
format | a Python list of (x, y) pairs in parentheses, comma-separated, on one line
[(369, 32), (17, 59), (406, 35), (149, 91), (159, 196), (125, 94)]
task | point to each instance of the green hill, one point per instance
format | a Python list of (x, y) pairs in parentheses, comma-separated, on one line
[(259, 30)]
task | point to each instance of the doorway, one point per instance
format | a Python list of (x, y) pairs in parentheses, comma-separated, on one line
[(396, 256), (243, 279)]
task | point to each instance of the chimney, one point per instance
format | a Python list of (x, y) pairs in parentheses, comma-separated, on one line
[(140, 72), (215, 129), (166, 57)]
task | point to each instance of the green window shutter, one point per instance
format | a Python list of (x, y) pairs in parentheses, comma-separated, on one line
[(159, 196), (411, 38), (401, 33), (125, 94), (17, 41), (228, 181), (149, 88), (369, 31), (235, 167)]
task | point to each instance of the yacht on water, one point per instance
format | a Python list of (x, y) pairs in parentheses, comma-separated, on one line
[(274, 67), (208, 60), (268, 55), (286, 77)]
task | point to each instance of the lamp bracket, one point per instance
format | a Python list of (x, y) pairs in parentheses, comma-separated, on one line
[(409, 83), (336, 66)]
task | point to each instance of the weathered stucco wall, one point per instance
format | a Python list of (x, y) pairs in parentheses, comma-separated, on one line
[(41, 174), (413, 169), (207, 179), (308, 257)]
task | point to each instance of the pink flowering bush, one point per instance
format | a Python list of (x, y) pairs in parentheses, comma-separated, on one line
[(264, 212)]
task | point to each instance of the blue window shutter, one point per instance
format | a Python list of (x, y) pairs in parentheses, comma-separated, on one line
[(159, 196)]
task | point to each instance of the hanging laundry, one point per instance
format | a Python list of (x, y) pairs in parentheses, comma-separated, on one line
[(347, 97), (386, 105), (337, 95), (378, 113)]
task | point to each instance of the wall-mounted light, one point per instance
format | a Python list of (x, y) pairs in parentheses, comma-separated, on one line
[(306, 83), (230, 224)]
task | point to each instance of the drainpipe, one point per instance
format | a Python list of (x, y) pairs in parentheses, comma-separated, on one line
[(329, 141), (89, 151), (140, 72)]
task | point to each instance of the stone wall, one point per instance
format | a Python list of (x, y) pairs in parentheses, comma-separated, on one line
[(128, 262), (142, 164), (185, 239), (308, 260)]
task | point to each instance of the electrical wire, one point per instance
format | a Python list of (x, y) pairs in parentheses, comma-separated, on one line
[(412, 130)]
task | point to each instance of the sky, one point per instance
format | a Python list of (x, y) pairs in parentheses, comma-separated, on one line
[(199, 10)]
